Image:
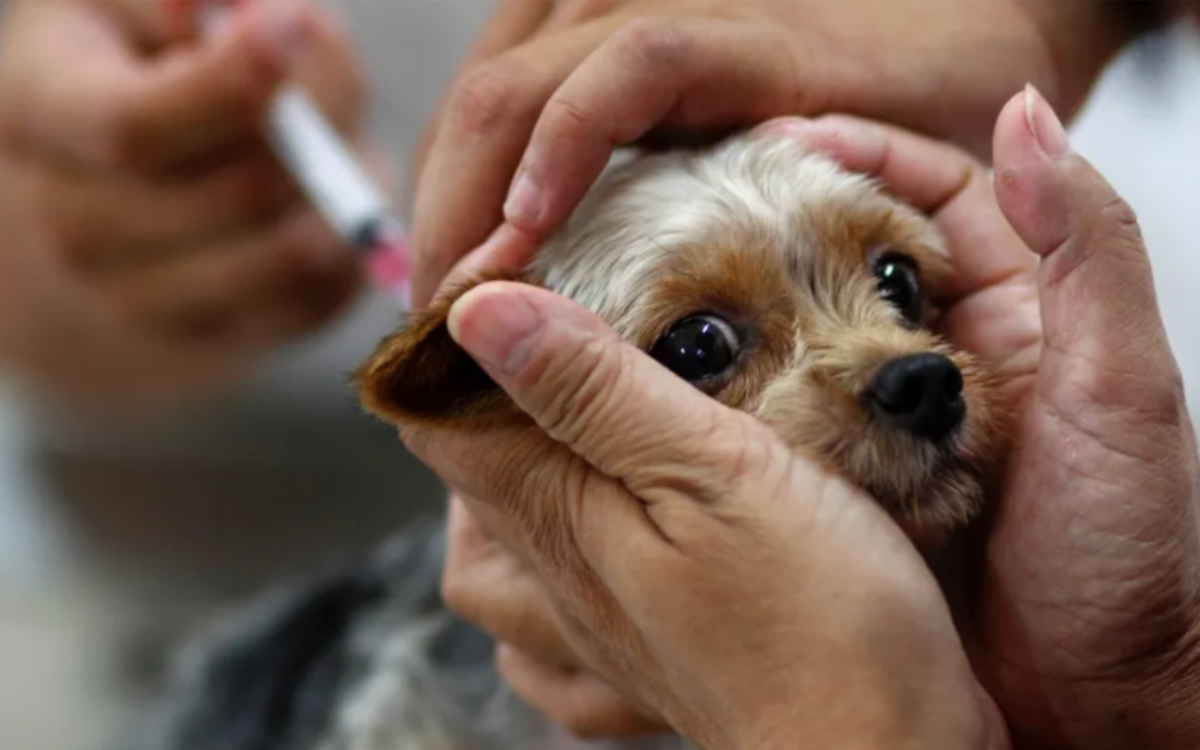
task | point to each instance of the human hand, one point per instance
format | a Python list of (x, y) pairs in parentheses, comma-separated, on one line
[(487, 583), (553, 87), (1089, 614), (153, 243), (1086, 617), (646, 507), (992, 309)]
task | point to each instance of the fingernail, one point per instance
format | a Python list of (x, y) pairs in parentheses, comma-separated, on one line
[(524, 204), (1047, 129), (281, 26), (495, 326)]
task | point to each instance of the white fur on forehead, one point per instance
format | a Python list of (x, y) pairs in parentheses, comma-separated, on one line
[(645, 207)]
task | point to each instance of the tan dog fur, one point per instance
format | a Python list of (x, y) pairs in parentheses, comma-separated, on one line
[(779, 242)]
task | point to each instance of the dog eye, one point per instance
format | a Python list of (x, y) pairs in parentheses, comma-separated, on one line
[(896, 276), (697, 348)]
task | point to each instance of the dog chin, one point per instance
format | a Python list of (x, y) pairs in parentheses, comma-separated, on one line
[(943, 497)]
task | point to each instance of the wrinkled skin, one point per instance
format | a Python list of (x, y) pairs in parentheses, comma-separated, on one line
[(1084, 627), (552, 86)]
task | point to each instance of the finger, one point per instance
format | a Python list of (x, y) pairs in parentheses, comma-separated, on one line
[(989, 301), (504, 252), (489, 586), (933, 176), (101, 223), (120, 111), (605, 400), (152, 23), (541, 498), (1104, 340), (694, 73), (925, 173), (203, 293), (578, 701), (485, 126), (300, 304), (626, 455), (331, 73), (512, 23)]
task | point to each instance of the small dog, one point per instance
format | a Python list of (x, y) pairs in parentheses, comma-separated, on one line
[(759, 272)]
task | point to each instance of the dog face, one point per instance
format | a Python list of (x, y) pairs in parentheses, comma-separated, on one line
[(776, 283)]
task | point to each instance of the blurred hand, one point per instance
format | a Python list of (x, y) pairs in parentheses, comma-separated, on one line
[(553, 87), (694, 561), (1086, 618), (152, 242)]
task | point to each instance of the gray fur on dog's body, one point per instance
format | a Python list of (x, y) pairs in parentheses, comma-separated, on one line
[(366, 659)]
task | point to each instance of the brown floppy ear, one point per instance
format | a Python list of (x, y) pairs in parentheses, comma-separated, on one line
[(419, 375)]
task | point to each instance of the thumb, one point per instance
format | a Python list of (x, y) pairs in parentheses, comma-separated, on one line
[(1106, 357), (607, 401)]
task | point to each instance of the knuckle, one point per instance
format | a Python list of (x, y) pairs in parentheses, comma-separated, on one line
[(1104, 233), (566, 120), (744, 448), (1118, 217), (586, 386), (653, 43), (485, 96)]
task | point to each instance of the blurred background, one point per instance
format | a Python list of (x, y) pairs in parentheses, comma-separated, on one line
[(91, 570)]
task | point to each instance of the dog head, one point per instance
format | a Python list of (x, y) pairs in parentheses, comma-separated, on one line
[(773, 281)]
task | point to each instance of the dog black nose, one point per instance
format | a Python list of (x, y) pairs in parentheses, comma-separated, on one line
[(922, 394)]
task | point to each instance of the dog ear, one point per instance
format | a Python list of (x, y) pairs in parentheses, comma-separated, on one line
[(420, 375)]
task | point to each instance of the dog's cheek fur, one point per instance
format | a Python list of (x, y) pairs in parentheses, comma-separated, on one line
[(816, 406)]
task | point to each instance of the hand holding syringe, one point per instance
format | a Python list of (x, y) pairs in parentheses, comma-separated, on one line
[(335, 182)]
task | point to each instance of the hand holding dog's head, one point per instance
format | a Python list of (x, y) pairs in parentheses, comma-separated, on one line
[(638, 490), (778, 284)]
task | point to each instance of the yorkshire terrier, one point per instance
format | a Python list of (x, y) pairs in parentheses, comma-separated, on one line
[(758, 271)]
